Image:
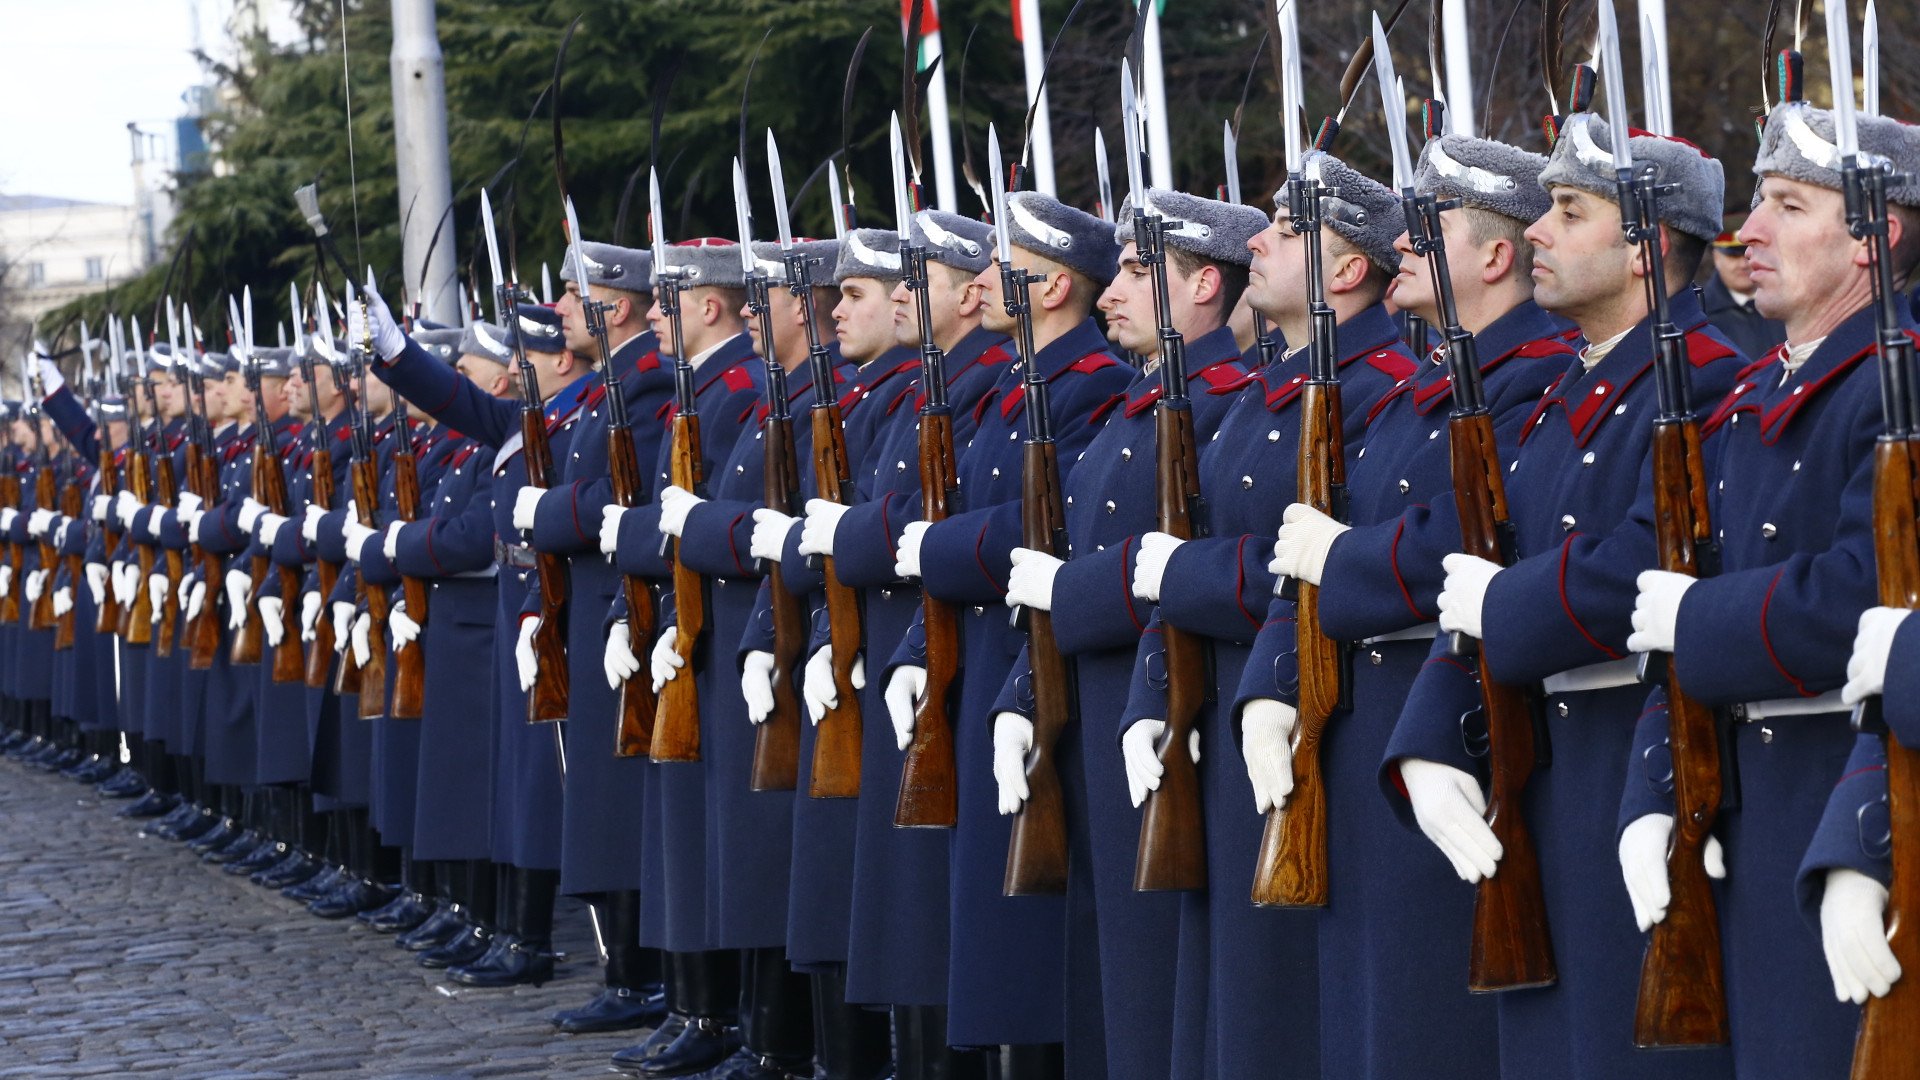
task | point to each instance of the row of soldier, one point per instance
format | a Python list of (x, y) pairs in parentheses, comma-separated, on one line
[(763, 930)]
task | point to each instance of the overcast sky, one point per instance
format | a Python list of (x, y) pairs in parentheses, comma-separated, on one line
[(74, 72)]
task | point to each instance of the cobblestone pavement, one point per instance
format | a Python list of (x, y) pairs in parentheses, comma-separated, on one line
[(122, 955)]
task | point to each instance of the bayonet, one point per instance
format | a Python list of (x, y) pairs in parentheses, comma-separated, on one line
[(782, 226), (1101, 177)]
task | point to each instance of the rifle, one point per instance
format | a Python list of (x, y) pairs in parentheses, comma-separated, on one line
[(1682, 996), (1172, 852), (548, 699), (11, 493), (676, 725), (107, 619), (776, 742), (320, 493), (369, 680), (45, 496), (136, 619), (410, 660), (1889, 1037), (203, 479), (637, 700), (1037, 851), (166, 491), (929, 794)]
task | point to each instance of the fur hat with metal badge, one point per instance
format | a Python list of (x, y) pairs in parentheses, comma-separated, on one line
[(1359, 209), (1484, 174), (442, 344), (869, 253), (710, 260), (609, 265), (959, 242), (1208, 228), (1583, 159), (772, 261), (1064, 234)]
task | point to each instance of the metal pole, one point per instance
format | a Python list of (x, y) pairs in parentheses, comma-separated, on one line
[(420, 153), (1033, 47)]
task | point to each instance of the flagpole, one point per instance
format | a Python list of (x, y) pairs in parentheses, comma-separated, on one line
[(1656, 112), (1159, 144), (1032, 51), (946, 193), (1460, 111)]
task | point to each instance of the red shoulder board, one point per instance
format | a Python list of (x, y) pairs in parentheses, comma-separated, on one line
[(1237, 384), (649, 362), (1099, 415), (343, 435), (665, 412), (460, 457), (1393, 363), (1544, 347), (1224, 373), (737, 378), (1775, 423), (1092, 362), (995, 356), (1704, 349)]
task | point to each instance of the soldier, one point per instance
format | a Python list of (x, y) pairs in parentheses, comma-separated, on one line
[(1237, 962), (1381, 1009), (1728, 297), (1558, 612), (1792, 453), (1123, 956)]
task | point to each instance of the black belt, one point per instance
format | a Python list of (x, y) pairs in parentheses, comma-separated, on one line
[(514, 555)]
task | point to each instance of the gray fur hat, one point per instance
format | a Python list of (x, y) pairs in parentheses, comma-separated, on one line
[(273, 362), (869, 253), (820, 253), (1583, 158), (1361, 210), (959, 242), (1484, 174), (1065, 234), (1798, 143), (614, 267), (113, 408), (1208, 228), (710, 261), (442, 345), (217, 365)]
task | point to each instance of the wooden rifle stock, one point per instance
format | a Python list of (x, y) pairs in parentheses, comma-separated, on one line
[(373, 673), (1888, 1043), (1037, 852), (409, 660), (45, 495), (1173, 840), (10, 493), (1292, 869), (107, 619), (136, 619), (270, 491), (165, 491), (676, 722), (929, 788), (203, 632), (836, 742), (551, 694), (72, 506), (1682, 999), (320, 656), (1511, 948), (776, 743), (637, 700)]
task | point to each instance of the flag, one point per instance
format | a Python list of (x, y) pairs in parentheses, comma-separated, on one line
[(928, 37)]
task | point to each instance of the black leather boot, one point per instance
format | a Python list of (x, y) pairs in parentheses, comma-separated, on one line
[(317, 886), (295, 866), (244, 843), (222, 834), (776, 1021), (445, 924), (704, 989), (197, 823), (626, 1002), (849, 1042), (353, 896), (467, 947), (153, 804), (404, 912), (519, 963), (921, 1051), (1027, 1061), (125, 783)]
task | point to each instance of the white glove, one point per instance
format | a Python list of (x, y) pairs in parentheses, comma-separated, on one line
[(1644, 845), (36, 584), (823, 517), (310, 522), (270, 527), (1143, 764), (1030, 583), (342, 625), (907, 563), (154, 514), (390, 546), (1012, 742), (1656, 610), (610, 516), (271, 610), (1150, 566), (1464, 593), (523, 658), (6, 579), (524, 502), (1451, 810), (756, 685), (310, 604), (239, 585), (50, 378), (1266, 741), (357, 536), (189, 504), (665, 662), (1305, 538), (193, 527), (619, 661), (196, 599), (817, 685), (1867, 667), (675, 504), (401, 629), (362, 642), (39, 521), (62, 601), (157, 586), (375, 325), (250, 511), (97, 583), (101, 504), (125, 507), (770, 529), (904, 691), (1853, 931), (118, 576)]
